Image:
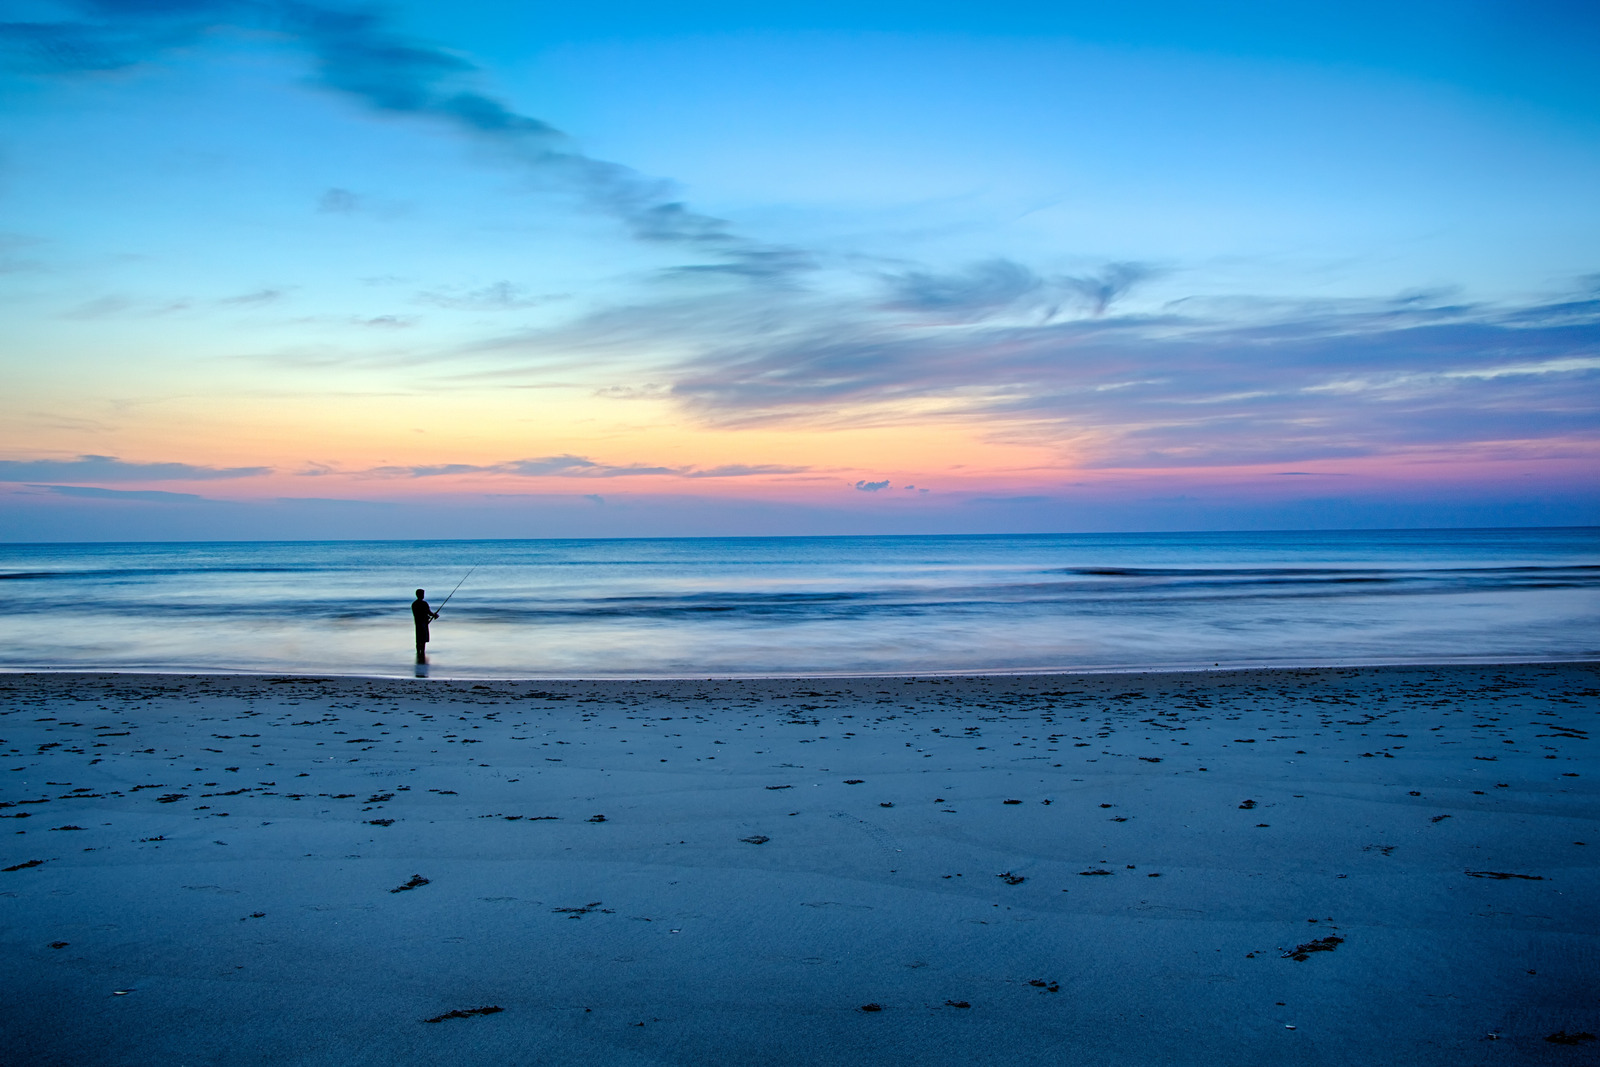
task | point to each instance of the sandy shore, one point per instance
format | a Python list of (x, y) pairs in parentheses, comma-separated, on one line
[(1377, 865)]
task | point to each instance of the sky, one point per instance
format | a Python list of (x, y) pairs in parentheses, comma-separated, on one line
[(302, 269)]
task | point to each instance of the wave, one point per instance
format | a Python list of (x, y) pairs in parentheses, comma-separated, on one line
[(1131, 590), (1313, 572), (156, 572)]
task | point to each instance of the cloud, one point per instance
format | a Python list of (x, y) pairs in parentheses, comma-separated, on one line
[(338, 202), (567, 466), (358, 54), (648, 391), (558, 465), (338, 502), (112, 469), (872, 487), (564, 466), (102, 307), (760, 263), (985, 286), (1113, 282), (255, 299), (110, 307), (570, 466), (1033, 498), (501, 296), (12, 263), (1206, 382), (91, 492), (743, 470)]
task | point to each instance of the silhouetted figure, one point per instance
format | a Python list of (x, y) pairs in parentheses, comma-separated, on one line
[(421, 615)]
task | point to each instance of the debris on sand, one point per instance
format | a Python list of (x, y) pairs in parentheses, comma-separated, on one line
[(756, 839), (871, 1007), (416, 880), (1503, 875), (1011, 879), (957, 1004), (1048, 987), (22, 866), (380, 822), (1247, 805), (1097, 870), (597, 818), (578, 913), (1561, 1037), (465, 1013), (1322, 944)]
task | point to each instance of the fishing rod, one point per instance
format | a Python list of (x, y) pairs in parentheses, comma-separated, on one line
[(459, 584)]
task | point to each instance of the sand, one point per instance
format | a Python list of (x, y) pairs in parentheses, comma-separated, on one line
[(1335, 866)]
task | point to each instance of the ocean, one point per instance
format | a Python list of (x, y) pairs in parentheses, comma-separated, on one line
[(676, 607)]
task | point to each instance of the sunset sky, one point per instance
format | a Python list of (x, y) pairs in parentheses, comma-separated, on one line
[(491, 269)]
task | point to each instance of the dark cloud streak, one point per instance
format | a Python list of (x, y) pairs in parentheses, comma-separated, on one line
[(570, 466), (91, 492), (1275, 384), (985, 286), (356, 53), (111, 469), (1111, 284)]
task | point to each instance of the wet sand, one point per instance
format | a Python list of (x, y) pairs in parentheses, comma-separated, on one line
[(1388, 865)]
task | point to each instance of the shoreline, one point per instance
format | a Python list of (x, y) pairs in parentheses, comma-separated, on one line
[(1389, 864), (1064, 672)]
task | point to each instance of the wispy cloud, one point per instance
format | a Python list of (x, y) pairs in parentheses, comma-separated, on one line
[(157, 495), (254, 299), (744, 470), (981, 287), (357, 53), (1110, 284), (1201, 382), (570, 466), (998, 286), (501, 296), (577, 467), (12, 261), (112, 469), (338, 202)]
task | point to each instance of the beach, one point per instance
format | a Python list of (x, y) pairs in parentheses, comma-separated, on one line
[(1313, 866)]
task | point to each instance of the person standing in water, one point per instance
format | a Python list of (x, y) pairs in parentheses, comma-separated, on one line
[(421, 615)]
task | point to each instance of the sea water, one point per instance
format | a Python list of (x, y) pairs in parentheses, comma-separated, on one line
[(807, 605)]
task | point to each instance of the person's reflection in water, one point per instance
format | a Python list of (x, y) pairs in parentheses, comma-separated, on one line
[(421, 615)]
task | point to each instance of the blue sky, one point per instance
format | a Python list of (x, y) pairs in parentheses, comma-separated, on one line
[(1033, 267)]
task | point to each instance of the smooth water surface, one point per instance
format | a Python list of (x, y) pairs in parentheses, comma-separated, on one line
[(720, 606)]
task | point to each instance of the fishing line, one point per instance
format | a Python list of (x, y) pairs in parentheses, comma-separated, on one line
[(459, 584)]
